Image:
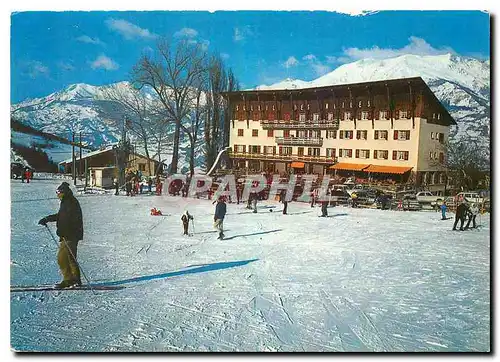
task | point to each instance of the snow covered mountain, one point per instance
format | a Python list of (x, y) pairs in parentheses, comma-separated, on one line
[(461, 84), (87, 109)]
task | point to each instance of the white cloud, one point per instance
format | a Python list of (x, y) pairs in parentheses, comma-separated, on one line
[(36, 69), (242, 33), (317, 66), (89, 40), (186, 33), (309, 57), (417, 46), (65, 66), (103, 62), (128, 30), (202, 43), (331, 59), (290, 62), (224, 55), (356, 12)]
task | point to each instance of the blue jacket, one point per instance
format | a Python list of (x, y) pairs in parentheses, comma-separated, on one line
[(220, 211)]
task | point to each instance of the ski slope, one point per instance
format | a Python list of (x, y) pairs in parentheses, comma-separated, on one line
[(360, 280)]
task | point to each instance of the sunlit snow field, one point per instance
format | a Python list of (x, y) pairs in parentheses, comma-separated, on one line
[(360, 280)]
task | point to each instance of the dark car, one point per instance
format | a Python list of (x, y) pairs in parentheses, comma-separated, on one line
[(17, 169)]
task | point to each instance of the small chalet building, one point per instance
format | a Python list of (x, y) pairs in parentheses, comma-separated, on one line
[(385, 130), (102, 161)]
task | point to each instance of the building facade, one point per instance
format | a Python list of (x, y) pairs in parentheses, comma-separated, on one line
[(385, 129)]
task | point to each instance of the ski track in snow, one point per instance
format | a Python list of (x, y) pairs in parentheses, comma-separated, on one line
[(363, 280)]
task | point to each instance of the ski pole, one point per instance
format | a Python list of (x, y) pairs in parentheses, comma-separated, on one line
[(73, 256)]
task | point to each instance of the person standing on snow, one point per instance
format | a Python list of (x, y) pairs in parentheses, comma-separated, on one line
[(185, 221), (284, 201), (69, 223), (115, 182), (324, 205), (473, 211), (443, 211), (220, 213), (461, 214)]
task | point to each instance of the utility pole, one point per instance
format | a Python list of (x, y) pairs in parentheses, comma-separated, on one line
[(80, 168), (74, 159)]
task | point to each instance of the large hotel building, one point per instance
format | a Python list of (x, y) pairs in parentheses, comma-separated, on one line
[(389, 129)]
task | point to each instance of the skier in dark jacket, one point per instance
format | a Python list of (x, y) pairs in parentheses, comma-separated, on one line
[(460, 214), (185, 221), (284, 201), (324, 205), (220, 213), (69, 223)]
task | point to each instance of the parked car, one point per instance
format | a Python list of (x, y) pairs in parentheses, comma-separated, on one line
[(338, 197), (427, 197), (470, 197)]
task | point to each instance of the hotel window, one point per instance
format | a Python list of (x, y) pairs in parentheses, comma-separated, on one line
[(258, 107), (360, 104), (343, 104), (368, 104), (331, 134), (440, 136), (362, 153), (346, 134), (287, 150), (326, 105), (308, 106), (251, 107), (344, 152), (402, 135), (313, 151), (270, 150), (239, 148), (403, 114), (302, 117), (439, 115), (350, 104), (400, 155), (255, 133), (237, 107), (274, 107), (361, 135), (347, 116), (315, 134), (431, 155), (254, 149), (244, 108), (316, 117), (302, 107), (432, 135), (300, 151), (365, 115), (330, 116), (381, 154), (142, 167), (380, 135), (270, 133), (240, 132), (330, 152), (384, 115), (286, 133)]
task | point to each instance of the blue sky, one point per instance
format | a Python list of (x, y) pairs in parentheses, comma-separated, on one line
[(51, 50)]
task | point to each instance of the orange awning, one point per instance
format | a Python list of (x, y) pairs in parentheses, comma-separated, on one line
[(387, 169), (297, 164), (348, 166)]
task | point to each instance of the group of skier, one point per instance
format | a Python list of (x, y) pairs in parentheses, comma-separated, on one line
[(466, 211)]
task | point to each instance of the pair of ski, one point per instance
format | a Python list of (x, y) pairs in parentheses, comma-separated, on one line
[(41, 288)]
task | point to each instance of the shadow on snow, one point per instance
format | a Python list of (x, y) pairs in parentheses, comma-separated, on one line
[(260, 233), (200, 269)]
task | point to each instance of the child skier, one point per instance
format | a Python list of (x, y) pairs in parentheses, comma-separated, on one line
[(185, 221), (443, 211)]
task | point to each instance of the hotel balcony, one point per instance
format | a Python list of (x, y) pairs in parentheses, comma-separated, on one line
[(281, 158), (281, 124), (299, 141)]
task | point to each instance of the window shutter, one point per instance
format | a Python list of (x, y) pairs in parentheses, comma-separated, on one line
[(396, 114), (357, 153), (441, 157), (394, 155), (377, 114), (359, 114), (280, 150), (350, 152), (351, 134), (341, 135), (408, 114), (287, 116), (365, 135), (335, 134), (387, 114), (407, 135), (375, 154), (407, 154), (333, 152), (376, 135), (395, 135), (358, 135)]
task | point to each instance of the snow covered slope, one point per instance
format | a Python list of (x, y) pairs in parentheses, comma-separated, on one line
[(461, 84), (359, 280)]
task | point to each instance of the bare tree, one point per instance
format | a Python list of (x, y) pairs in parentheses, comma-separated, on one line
[(139, 109), (467, 162), (217, 116), (172, 75)]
